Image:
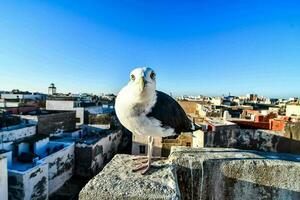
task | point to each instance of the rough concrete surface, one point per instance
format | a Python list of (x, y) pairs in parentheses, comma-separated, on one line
[(223, 173), (117, 181), (207, 173)]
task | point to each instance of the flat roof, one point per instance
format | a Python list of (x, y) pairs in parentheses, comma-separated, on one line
[(219, 122)]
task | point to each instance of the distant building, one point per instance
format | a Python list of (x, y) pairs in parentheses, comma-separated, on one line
[(3, 177), (39, 167), (189, 107), (162, 146), (198, 139), (17, 102), (94, 149), (218, 124), (217, 101), (23, 96), (205, 110), (293, 109), (49, 121), (36, 166), (278, 124), (69, 103), (51, 89), (252, 97), (140, 145)]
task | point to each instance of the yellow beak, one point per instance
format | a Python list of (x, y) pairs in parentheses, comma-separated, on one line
[(142, 84)]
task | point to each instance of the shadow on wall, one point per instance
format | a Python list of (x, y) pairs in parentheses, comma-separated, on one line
[(249, 139), (126, 142)]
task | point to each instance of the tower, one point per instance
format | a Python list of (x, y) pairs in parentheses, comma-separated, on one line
[(51, 89)]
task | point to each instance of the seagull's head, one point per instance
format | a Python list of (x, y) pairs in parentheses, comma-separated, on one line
[(142, 81)]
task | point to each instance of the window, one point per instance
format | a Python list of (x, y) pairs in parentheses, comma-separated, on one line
[(77, 120), (142, 149), (188, 144)]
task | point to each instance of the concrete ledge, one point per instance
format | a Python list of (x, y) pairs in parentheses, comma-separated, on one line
[(207, 173), (117, 181), (222, 173)]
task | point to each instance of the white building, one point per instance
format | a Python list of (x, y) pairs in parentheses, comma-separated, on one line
[(293, 109), (203, 109), (29, 96), (39, 167), (73, 104), (3, 177), (95, 149), (198, 139), (217, 101), (67, 104)]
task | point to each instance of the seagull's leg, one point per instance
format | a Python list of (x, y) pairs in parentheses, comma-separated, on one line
[(150, 152), (142, 159), (145, 164)]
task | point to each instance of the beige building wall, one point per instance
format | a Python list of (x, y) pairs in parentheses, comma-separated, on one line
[(140, 145), (162, 147), (293, 110), (198, 139)]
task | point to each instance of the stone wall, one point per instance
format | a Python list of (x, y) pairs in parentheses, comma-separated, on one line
[(213, 173), (194, 173), (19, 132), (292, 130), (50, 123), (90, 159), (261, 140)]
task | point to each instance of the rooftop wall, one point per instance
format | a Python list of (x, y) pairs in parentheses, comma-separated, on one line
[(17, 132), (60, 166), (50, 123), (28, 185), (250, 139), (90, 159)]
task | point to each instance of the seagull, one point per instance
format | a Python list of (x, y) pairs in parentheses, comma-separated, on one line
[(145, 111)]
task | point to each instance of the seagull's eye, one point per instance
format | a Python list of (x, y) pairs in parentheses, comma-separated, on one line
[(132, 77), (152, 75)]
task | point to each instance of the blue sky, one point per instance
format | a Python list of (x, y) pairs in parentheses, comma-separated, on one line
[(196, 47)]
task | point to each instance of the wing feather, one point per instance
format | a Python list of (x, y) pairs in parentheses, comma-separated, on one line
[(170, 113)]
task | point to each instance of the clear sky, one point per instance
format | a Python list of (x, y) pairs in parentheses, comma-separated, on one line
[(196, 47)]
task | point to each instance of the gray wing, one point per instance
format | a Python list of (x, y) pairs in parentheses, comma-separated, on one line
[(170, 113)]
